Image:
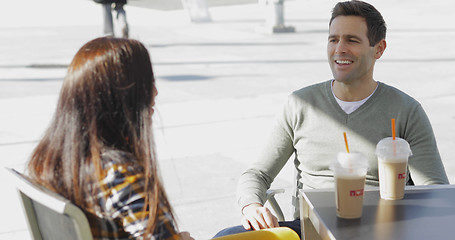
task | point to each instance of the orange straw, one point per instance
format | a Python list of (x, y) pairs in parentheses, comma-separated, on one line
[(393, 136), (393, 128), (346, 141), (347, 150)]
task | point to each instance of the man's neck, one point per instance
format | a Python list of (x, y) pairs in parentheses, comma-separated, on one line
[(350, 92)]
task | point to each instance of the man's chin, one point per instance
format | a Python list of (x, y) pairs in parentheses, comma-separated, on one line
[(342, 80)]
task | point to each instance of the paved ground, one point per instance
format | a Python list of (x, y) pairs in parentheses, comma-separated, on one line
[(220, 85)]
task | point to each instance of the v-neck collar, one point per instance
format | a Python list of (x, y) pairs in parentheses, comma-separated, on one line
[(337, 106)]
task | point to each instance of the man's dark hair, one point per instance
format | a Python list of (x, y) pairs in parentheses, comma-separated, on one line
[(375, 22)]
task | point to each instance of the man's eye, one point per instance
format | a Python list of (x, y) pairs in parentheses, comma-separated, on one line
[(353, 41)]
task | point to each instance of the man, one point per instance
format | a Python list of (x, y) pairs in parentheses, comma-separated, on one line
[(315, 117)]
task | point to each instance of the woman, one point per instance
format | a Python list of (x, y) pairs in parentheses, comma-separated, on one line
[(98, 150)]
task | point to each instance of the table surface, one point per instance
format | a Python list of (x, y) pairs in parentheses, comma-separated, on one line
[(426, 212)]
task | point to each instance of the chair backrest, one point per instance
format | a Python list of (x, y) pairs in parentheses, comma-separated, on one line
[(49, 215), (279, 233)]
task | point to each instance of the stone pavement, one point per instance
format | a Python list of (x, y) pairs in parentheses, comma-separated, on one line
[(220, 85)]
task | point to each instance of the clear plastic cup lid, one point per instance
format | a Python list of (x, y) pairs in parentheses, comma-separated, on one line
[(388, 147), (349, 164)]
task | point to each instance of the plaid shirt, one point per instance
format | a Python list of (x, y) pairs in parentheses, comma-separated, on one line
[(121, 215)]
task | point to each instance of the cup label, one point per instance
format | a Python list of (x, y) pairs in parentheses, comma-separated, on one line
[(356, 193), (401, 175)]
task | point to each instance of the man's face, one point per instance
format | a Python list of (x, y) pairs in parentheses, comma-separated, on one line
[(350, 55)]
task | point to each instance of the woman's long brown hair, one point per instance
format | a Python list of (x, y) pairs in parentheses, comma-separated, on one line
[(105, 102)]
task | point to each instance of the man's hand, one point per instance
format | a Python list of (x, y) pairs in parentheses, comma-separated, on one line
[(259, 217)]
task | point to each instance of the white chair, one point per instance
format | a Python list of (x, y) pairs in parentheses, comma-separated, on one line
[(53, 217), (49, 215), (270, 198)]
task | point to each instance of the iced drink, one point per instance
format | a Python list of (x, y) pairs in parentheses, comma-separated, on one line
[(349, 172), (392, 166), (349, 192)]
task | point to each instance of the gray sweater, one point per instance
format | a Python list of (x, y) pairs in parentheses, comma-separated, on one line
[(312, 126)]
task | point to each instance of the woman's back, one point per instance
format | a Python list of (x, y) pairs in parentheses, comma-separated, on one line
[(98, 149), (120, 199)]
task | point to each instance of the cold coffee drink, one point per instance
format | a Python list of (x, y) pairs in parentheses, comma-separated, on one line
[(392, 178), (393, 157), (349, 192), (349, 171)]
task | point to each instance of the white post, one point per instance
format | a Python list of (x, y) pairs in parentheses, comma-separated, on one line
[(274, 17), (198, 10)]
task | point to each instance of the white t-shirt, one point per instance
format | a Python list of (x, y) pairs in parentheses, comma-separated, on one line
[(349, 107)]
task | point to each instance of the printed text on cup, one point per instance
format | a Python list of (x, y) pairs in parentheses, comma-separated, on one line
[(356, 193)]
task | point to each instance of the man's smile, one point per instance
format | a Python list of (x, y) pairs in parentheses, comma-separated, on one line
[(344, 62)]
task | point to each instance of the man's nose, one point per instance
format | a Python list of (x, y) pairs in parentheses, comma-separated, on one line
[(340, 48)]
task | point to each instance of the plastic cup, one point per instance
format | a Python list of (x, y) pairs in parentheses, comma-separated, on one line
[(349, 170), (392, 166)]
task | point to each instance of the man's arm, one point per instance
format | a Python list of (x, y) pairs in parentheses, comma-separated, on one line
[(254, 182), (425, 164)]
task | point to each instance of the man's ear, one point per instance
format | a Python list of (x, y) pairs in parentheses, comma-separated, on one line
[(380, 48)]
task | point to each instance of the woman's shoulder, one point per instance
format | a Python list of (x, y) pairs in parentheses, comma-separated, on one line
[(115, 156)]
